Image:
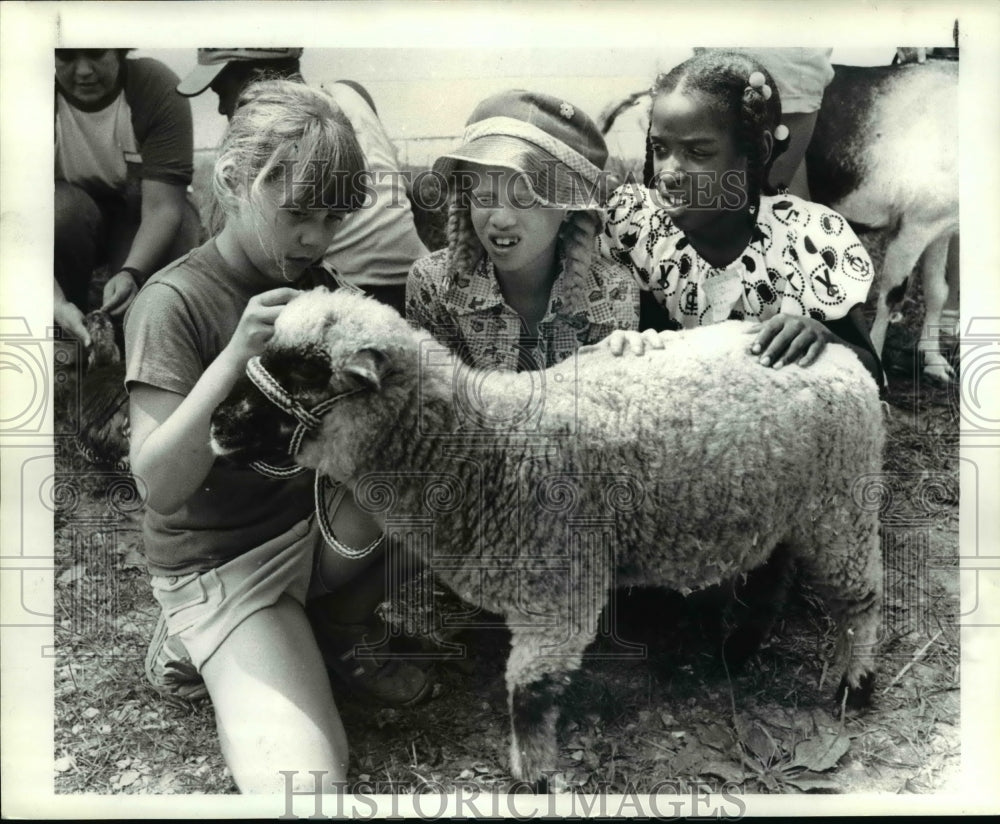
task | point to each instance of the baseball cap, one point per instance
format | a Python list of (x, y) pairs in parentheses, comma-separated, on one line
[(212, 61), (553, 143)]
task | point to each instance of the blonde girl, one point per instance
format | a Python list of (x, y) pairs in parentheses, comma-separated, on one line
[(235, 555), (518, 286)]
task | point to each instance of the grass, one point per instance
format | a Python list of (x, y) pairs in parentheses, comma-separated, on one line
[(673, 714)]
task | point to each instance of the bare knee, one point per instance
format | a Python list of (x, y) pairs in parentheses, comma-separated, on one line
[(277, 721)]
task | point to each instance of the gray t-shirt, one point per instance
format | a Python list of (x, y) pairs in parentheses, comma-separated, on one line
[(177, 325)]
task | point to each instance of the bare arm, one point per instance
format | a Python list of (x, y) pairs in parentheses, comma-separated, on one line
[(68, 315), (163, 207), (170, 450), (169, 444), (788, 339)]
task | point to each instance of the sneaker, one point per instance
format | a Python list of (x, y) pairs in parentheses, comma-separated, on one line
[(371, 672), (169, 668)]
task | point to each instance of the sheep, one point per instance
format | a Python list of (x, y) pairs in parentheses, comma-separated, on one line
[(544, 490)]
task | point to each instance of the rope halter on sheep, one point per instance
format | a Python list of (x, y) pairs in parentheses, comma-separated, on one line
[(308, 420)]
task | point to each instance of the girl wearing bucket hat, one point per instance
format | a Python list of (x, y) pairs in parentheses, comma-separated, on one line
[(518, 286)]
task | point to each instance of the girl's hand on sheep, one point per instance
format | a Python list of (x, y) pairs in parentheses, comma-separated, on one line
[(788, 339), (256, 325), (622, 340)]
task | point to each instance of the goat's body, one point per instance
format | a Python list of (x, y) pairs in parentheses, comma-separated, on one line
[(884, 154), (532, 495), (104, 423)]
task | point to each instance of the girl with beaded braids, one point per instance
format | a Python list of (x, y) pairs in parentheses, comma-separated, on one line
[(709, 237), (519, 285)]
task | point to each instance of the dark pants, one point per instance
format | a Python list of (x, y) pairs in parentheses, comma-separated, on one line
[(92, 231), (394, 296)]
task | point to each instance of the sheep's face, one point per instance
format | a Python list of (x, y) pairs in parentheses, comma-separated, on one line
[(248, 426), (325, 345)]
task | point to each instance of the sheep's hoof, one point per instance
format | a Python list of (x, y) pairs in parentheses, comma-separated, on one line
[(860, 696), (534, 710), (537, 786), (529, 773)]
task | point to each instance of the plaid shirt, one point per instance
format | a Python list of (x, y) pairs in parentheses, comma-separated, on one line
[(470, 316)]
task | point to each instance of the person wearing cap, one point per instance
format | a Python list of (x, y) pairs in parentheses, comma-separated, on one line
[(123, 162), (518, 286), (375, 246)]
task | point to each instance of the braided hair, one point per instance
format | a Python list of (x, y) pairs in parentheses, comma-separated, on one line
[(723, 79), (464, 248)]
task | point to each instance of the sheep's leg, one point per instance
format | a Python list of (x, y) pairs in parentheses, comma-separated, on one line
[(760, 598), (848, 574), (933, 271), (857, 644), (537, 675)]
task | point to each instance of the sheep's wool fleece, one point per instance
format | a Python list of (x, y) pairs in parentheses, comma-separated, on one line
[(685, 448)]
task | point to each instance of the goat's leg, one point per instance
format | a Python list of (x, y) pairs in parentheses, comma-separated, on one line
[(953, 277), (901, 257), (935, 284)]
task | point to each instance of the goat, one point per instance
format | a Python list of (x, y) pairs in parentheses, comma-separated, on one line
[(884, 154), (104, 425)]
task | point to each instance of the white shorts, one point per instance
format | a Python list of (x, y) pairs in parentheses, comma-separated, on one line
[(202, 608)]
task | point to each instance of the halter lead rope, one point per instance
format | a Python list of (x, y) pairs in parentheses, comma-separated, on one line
[(307, 420)]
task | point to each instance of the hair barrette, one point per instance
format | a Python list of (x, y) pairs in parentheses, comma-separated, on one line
[(759, 82)]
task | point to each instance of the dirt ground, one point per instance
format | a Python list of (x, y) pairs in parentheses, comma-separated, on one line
[(667, 714)]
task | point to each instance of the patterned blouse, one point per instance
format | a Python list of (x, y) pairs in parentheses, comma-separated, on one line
[(470, 316), (802, 259)]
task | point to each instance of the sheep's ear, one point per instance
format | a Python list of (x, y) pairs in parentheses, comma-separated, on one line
[(368, 365)]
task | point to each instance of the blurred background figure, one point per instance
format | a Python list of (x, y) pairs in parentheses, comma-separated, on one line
[(123, 162), (376, 245)]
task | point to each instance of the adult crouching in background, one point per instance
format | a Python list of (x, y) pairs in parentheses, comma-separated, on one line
[(374, 246), (123, 162)]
